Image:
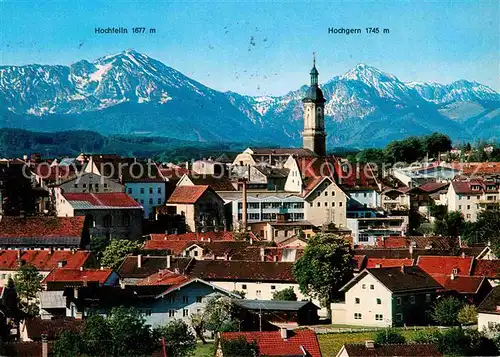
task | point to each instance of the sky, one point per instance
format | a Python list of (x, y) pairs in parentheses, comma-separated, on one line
[(264, 48)]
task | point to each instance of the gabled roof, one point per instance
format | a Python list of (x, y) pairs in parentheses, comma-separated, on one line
[(465, 187), (41, 227), (431, 187), (397, 279), (104, 200), (187, 194), (149, 265), (232, 270), (441, 267), (464, 284), (274, 305), (163, 278), (403, 350), (282, 151), (217, 183), (188, 281), (64, 275), (491, 304), (387, 262), (195, 236), (298, 342), (44, 260), (487, 268), (35, 327)]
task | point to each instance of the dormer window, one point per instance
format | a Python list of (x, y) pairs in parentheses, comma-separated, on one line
[(455, 271)]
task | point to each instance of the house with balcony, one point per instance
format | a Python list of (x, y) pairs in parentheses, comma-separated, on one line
[(472, 196), (366, 231)]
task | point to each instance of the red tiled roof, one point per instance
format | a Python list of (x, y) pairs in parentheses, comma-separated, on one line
[(44, 260), (105, 199), (221, 235), (164, 278), (441, 267), (392, 242), (187, 194), (271, 344), (63, 275), (387, 263), (358, 261), (36, 326), (487, 268), (431, 187), (13, 227), (465, 187), (463, 284), (477, 168), (175, 246)]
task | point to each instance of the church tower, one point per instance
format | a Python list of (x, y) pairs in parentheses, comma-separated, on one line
[(314, 135)]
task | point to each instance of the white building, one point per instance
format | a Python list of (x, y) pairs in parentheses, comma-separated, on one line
[(472, 196), (365, 231), (488, 318)]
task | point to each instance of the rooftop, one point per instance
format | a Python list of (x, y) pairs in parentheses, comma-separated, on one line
[(43, 260), (41, 227), (105, 200), (187, 194), (491, 304), (64, 275)]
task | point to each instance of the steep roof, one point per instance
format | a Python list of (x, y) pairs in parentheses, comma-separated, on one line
[(441, 267), (232, 270), (41, 227), (487, 268), (104, 200), (403, 350), (43, 260), (149, 265), (163, 278), (431, 187), (387, 262), (491, 304), (398, 280), (187, 194), (271, 344), (64, 275), (464, 284), (466, 187), (195, 236), (35, 327), (273, 305), (222, 183)]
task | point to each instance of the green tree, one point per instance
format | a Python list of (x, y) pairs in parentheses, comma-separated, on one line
[(220, 312), (130, 335), (179, 340), (427, 336), (451, 225), (486, 230), (96, 336), (324, 268), (453, 342), (437, 143), (117, 250), (69, 344), (467, 315), (28, 282), (389, 336), (285, 294), (197, 322), (239, 348), (446, 311), (240, 293), (98, 245)]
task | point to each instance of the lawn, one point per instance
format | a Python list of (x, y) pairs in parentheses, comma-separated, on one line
[(331, 343), (204, 350)]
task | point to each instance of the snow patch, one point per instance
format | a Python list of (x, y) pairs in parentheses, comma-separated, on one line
[(101, 71)]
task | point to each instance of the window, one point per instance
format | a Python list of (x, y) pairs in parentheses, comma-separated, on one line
[(107, 221), (398, 301), (142, 190), (199, 298), (318, 204), (363, 286), (150, 201), (326, 193), (399, 317), (147, 312), (356, 300), (459, 206), (129, 190), (258, 293), (185, 312), (159, 201), (379, 317), (105, 185), (372, 287), (340, 204), (412, 299), (142, 202), (427, 297), (379, 301), (84, 185), (185, 299), (326, 204), (468, 215), (159, 189), (75, 185), (273, 287), (171, 313), (244, 286), (151, 190), (357, 316), (468, 206), (468, 197), (195, 253)]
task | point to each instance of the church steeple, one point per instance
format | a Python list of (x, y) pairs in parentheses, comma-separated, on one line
[(314, 135)]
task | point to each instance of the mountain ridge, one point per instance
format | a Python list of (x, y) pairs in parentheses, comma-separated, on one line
[(130, 92)]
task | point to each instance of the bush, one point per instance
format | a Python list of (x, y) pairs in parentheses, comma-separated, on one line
[(389, 336), (427, 336), (467, 315), (239, 348), (453, 342), (446, 311), (285, 295)]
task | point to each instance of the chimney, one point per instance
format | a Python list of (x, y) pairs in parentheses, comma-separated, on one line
[(169, 261), (370, 344), (403, 268), (262, 254), (61, 263), (251, 240), (275, 258), (244, 207), (378, 265), (452, 276), (463, 255), (139, 260), (45, 346), (284, 333), (81, 268)]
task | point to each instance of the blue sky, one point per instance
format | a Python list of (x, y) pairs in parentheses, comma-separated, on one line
[(210, 41)]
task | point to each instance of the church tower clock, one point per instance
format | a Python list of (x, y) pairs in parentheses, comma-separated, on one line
[(314, 135)]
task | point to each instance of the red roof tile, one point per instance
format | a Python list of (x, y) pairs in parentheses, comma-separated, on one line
[(175, 246), (387, 263), (441, 267), (222, 235), (392, 242), (63, 275), (487, 268), (164, 278), (107, 199), (477, 168), (359, 261), (463, 284), (44, 260), (187, 194), (12, 227), (271, 344)]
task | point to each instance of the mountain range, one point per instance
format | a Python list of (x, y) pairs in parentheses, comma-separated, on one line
[(132, 93)]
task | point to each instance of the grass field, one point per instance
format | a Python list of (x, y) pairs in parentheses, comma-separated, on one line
[(204, 350), (331, 343)]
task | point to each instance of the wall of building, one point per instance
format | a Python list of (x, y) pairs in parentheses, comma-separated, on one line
[(89, 182), (148, 194), (487, 321), (124, 223), (326, 204)]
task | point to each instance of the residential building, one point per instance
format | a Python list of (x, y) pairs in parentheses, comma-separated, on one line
[(369, 349), (472, 196), (209, 167), (394, 199), (286, 343), (217, 183), (261, 177), (87, 182), (366, 231), (488, 317), (112, 215), (278, 312), (416, 175), (274, 157), (201, 206), (387, 297), (43, 232)]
